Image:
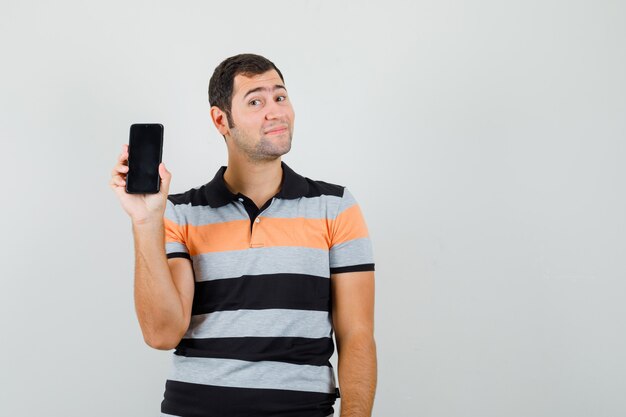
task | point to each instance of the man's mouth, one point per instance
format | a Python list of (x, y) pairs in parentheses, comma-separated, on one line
[(276, 131)]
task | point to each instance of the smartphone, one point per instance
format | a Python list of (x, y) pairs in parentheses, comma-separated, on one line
[(145, 148)]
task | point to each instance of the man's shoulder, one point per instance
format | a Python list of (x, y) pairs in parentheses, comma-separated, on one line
[(196, 196), (319, 188), (297, 185)]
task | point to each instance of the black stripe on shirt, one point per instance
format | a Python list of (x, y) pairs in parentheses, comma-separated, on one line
[(353, 268), (286, 291), (178, 255), (296, 350), (186, 399)]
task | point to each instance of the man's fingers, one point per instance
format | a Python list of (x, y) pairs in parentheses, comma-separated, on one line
[(119, 171), (117, 181), (123, 157), (118, 174), (120, 168)]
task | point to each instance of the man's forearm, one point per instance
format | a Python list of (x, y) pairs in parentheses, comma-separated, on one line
[(357, 375), (157, 301)]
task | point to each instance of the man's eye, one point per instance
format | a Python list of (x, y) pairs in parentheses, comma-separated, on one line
[(255, 102), (281, 98)]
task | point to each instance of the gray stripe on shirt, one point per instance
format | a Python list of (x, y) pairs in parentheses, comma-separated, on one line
[(261, 323), (245, 374), (353, 252), (270, 260)]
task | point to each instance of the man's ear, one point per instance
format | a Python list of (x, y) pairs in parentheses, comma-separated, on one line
[(219, 120)]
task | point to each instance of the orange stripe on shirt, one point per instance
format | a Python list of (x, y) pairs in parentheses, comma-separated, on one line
[(270, 231), (299, 231), (218, 237), (348, 225), (173, 231)]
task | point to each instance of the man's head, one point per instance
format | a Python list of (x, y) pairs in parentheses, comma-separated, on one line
[(250, 105)]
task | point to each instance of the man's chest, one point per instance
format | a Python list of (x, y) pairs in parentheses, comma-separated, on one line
[(286, 236)]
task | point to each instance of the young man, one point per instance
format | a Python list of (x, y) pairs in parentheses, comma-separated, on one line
[(259, 268)]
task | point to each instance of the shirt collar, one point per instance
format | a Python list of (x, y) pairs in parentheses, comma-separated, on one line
[(293, 186)]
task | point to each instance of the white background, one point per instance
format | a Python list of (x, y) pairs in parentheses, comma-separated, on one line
[(484, 141)]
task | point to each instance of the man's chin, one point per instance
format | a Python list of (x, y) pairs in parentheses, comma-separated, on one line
[(281, 152), (272, 154), (275, 147)]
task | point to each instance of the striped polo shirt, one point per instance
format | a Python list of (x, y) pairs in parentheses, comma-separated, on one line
[(261, 331)]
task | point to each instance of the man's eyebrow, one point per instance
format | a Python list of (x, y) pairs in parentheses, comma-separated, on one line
[(254, 90)]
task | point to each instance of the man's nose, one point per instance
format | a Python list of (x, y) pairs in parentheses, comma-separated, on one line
[(274, 111)]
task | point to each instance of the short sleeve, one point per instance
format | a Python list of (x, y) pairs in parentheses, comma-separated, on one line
[(175, 246), (350, 246)]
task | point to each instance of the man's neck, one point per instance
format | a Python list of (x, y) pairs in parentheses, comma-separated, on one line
[(259, 181)]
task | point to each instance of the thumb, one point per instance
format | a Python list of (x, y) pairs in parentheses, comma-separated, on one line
[(166, 177)]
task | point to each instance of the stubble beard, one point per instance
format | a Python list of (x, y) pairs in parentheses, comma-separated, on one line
[(266, 149)]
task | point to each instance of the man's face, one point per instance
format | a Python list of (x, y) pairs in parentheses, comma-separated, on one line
[(262, 116)]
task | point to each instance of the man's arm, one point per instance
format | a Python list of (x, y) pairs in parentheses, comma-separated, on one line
[(353, 321), (163, 288)]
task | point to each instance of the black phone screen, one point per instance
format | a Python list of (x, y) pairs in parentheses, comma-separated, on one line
[(145, 146)]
